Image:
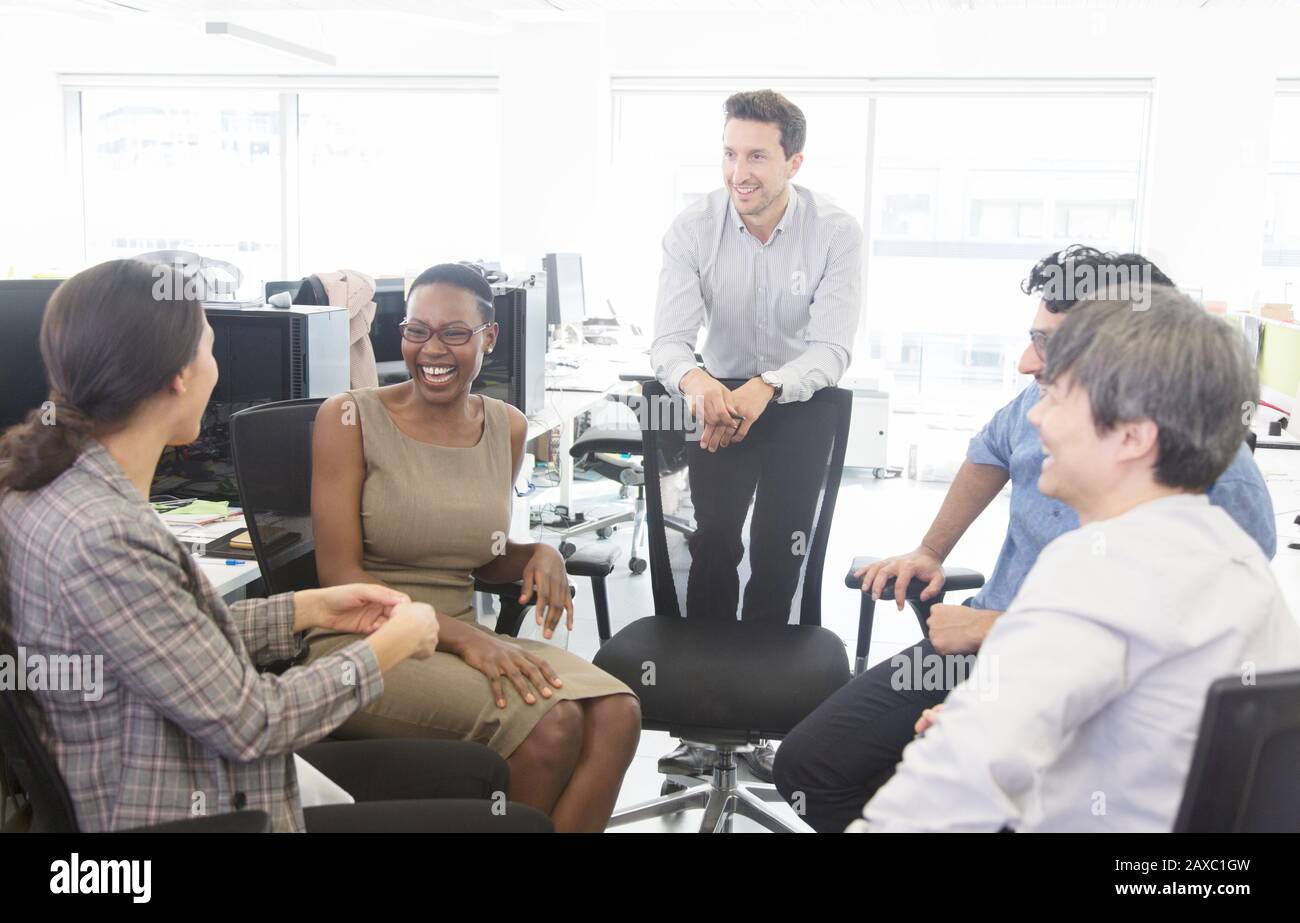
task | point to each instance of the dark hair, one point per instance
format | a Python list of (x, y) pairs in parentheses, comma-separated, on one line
[(465, 276), (112, 336), (770, 106), (1163, 358), (1077, 262)]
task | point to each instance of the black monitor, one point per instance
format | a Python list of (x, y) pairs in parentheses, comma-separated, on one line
[(282, 285), (23, 385), (390, 310), (515, 372), (565, 296), (263, 355)]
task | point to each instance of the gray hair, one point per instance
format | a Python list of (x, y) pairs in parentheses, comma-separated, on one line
[(1173, 363)]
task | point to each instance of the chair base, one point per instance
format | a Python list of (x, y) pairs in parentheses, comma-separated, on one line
[(722, 797), (591, 525)]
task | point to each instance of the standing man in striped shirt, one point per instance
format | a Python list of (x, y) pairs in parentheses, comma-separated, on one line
[(773, 273)]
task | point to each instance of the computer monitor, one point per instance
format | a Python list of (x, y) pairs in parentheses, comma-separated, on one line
[(23, 385), (515, 372), (565, 296), (281, 285), (263, 355), (390, 310)]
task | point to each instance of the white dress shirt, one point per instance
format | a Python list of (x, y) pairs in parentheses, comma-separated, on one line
[(1083, 710), (788, 306)]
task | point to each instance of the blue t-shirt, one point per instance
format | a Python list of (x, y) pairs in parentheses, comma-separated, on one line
[(1011, 442)]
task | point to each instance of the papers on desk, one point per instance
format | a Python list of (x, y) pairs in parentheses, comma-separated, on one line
[(199, 513)]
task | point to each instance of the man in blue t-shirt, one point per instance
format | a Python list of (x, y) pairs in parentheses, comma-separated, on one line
[(833, 762)]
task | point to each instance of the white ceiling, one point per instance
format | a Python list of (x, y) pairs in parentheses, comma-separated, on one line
[(476, 9)]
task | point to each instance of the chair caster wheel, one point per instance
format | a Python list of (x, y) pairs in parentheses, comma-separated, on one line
[(670, 788), (605, 532), (638, 565), (567, 549)]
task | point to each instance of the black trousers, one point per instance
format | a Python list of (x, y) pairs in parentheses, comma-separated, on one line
[(835, 759), (778, 469), (418, 786)]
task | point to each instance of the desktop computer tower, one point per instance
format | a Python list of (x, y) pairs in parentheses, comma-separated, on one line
[(263, 355), (515, 372)]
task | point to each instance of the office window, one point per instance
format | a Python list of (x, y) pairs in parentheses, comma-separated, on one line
[(969, 190), (391, 183), (387, 179), (1281, 275), (188, 169)]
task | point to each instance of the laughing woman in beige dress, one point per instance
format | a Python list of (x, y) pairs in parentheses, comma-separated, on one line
[(412, 488)]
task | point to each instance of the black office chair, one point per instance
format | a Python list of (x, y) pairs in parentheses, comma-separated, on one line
[(1243, 773), (47, 795), (615, 453), (271, 446), (718, 682)]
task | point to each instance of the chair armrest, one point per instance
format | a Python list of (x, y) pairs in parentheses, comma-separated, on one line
[(954, 578), (498, 589), (235, 822), (593, 560)]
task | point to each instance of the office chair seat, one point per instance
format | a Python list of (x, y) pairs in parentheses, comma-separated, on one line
[(600, 439), (700, 678)]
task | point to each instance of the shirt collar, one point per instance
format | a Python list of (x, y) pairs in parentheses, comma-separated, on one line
[(791, 206), (95, 460)]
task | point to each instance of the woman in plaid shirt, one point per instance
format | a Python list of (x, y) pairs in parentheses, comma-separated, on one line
[(182, 722)]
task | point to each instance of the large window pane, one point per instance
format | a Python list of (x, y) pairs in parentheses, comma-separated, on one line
[(966, 196), (184, 169), (1281, 278), (393, 182)]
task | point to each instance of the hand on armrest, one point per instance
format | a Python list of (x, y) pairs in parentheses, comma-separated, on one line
[(923, 577)]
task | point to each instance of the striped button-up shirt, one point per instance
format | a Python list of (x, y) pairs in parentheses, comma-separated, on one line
[(789, 306), (181, 722)]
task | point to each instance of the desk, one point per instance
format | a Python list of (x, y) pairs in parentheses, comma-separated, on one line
[(562, 408), (225, 578), (1281, 470), (588, 365)]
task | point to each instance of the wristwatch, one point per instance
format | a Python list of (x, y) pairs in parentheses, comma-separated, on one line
[(773, 379)]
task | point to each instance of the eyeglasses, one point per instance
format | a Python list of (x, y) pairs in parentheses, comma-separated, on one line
[(1039, 339), (455, 335)]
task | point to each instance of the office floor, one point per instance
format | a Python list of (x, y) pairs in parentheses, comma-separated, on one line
[(876, 517)]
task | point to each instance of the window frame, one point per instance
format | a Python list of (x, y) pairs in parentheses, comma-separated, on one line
[(288, 87)]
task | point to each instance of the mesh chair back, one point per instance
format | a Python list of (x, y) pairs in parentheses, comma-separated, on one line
[(768, 566), (1243, 773), (271, 445)]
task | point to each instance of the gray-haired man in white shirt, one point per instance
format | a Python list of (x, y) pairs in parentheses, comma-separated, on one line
[(1083, 711), (772, 273)]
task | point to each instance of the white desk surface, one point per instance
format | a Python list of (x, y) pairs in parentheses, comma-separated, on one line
[(225, 578), (1281, 470)]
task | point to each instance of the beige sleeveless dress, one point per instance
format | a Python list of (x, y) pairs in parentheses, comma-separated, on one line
[(430, 515)]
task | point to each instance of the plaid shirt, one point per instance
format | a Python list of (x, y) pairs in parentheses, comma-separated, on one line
[(185, 725)]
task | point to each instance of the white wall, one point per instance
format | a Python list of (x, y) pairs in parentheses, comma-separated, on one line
[(1214, 73)]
